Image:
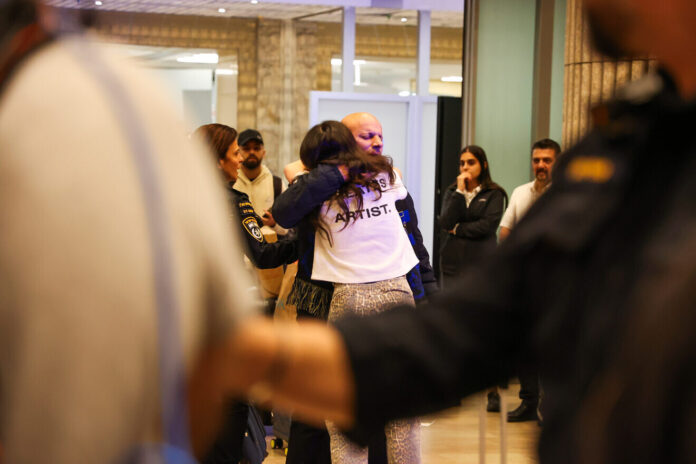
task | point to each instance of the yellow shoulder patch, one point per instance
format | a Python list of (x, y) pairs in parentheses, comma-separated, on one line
[(590, 169), (252, 227)]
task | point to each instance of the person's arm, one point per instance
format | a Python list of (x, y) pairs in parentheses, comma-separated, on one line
[(262, 254), (488, 223), (453, 204), (291, 170), (302, 368), (306, 193), (427, 275), (509, 217), (405, 362), (271, 255)]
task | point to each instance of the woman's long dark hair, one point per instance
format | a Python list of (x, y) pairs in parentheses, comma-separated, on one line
[(332, 143), (484, 177), (218, 137)]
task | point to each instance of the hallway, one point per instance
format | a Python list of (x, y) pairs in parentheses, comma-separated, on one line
[(451, 437)]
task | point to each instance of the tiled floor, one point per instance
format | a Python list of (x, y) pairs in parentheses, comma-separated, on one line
[(452, 436)]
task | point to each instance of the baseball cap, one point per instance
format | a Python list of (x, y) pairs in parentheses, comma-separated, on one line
[(249, 135)]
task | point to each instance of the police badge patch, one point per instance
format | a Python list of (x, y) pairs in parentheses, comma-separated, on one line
[(253, 228)]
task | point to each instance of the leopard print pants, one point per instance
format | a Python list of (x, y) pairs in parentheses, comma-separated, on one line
[(403, 436)]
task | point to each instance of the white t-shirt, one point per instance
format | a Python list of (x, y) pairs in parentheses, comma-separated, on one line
[(372, 247), (523, 197)]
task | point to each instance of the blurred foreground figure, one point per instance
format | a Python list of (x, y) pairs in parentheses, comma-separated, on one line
[(596, 282), (114, 240)]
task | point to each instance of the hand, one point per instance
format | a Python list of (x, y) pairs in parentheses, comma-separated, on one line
[(267, 219), (292, 169), (462, 180)]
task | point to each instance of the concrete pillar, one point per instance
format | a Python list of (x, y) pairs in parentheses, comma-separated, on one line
[(423, 66), (348, 49), (590, 78), (269, 100)]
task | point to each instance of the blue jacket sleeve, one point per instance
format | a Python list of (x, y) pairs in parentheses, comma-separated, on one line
[(407, 210), (306, 193)]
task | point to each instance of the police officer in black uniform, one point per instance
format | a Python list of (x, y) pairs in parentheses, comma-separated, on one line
[(222, 140)]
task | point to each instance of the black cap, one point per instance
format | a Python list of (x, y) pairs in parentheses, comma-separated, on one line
[(249, 135)]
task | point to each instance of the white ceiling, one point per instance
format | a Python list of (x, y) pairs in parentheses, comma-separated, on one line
[(245, 9)]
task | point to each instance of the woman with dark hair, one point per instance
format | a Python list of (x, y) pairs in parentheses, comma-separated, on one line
[(222, 142), (471, 211), (360, 246)]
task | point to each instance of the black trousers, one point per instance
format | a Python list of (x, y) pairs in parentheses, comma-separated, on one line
[(529, 382), (311, 445), (227, 448)]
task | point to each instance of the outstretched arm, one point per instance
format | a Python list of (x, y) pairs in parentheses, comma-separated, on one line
[(366, 371), (306, 193)]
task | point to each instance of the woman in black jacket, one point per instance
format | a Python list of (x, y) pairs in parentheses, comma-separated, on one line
[(471, 211)]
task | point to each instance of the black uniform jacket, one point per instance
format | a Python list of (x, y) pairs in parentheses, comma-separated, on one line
[(596, 283), (476, 227), (262, 254), (309, 191)]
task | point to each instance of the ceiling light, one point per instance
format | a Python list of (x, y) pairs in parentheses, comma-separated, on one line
[(339, 62), (451, 78), (202, 58), (221, 10), (254, 2), (404, 93), (403, 20), (98, 3)]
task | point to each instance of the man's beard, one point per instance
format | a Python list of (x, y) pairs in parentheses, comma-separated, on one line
[(251, 162), (542, 172)]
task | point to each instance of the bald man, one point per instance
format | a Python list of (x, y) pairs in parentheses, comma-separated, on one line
[(367, 131), (310, 445)]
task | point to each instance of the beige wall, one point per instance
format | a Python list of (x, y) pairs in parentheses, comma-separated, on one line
[(279, 62)]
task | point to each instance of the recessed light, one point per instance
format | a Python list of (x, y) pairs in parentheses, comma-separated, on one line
[(221, 10), (98, 3), (404, 93), (451, 79), (254, 2), (202, 58), (403, 20)]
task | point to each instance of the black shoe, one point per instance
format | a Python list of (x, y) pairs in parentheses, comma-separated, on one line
[(493, 402), (524, 412)]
